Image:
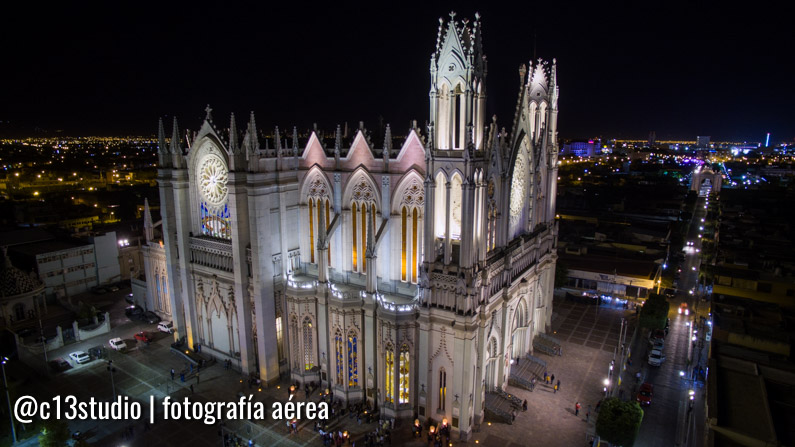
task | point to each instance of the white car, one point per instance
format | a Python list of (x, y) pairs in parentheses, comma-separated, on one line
[(117, 343), (80, 357), (656, 357), (165, 326)]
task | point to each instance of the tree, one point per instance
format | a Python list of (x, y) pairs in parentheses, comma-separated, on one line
[(654, 313), (619, 421), (561, 273), (55, 433)]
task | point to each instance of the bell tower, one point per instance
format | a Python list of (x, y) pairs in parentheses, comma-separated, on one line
[(458, 85)]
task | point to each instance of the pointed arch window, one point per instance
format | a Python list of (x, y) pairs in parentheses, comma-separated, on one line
[(296, 352), (318, 202), (362, 208), (412, 202), (442, 388), (389, 374), (340, 356), (403, 375), (353, 360), (309, 355)]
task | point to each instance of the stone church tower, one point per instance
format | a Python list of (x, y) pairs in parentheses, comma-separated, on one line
[(407, 274)]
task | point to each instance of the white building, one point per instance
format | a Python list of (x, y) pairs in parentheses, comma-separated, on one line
[(407, 275)]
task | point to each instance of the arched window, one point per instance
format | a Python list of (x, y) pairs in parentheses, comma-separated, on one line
[(296, 351), (412, 202), (442, 388), (440, 206), (353, 360), (389, 374), (404, 378), (362, 205), (340, 355), (443, 125), (456, 184), (491, 230), (309, 356), (318, 202)]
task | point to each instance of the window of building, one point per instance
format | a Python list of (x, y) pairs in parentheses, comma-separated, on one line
[(340, 356), (353, 361), (404, 378), (389, 388), (279, 337), (309, 358), (442, 388)]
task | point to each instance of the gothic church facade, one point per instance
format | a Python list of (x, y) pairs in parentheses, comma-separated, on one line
[(408, 275)]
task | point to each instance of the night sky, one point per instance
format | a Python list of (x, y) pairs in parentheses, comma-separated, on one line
[(681, 70)]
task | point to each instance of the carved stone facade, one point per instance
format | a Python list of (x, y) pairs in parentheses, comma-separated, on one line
[(412, 292)]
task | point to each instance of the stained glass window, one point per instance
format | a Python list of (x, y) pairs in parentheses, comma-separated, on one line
[(215, 222), (309, 358), (389, 388), (353, 361), (338, 347), (404, 375), (442, 388)]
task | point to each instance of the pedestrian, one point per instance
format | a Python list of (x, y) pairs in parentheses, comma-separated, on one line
[(172, 374), (577, 407), (588, 414), (558, 384), (556, 389), (551, 379), (524, 405), (191, 388)]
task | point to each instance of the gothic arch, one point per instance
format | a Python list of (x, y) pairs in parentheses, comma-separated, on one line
[(410, 180), (315, 178), (361, 187)]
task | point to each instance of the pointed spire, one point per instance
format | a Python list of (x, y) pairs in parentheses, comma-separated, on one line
[(175, 147), (337, 148), (253, 144), (277, 140), (387, 147), (295, 141), (149, 227), (233, 146), (161, 137)]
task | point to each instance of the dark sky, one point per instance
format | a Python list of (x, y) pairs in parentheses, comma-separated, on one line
[(681, 69)]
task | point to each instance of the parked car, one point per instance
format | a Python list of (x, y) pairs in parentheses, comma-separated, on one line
[(97, 352), (100, 316), (645, 393), (59, 364), (151, 317), (656, 357), (117, 344), (143, 336), (80, 357), (657, 344), (134, 312), (165, 326), (129, 298), (657, 334)]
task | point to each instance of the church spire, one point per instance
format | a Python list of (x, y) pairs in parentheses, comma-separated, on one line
[(176, 148), (233, 146), (295, 147), (252, 134), (163, 154), (149, 228), (337, 147), (209, 115), (387, 147)]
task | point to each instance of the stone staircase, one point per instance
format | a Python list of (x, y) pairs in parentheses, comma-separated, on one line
[(546, 344), (500, 406), (522, 373)]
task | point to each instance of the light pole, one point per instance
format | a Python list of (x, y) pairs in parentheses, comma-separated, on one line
[(112, 383), (8, 399), (44, 346)]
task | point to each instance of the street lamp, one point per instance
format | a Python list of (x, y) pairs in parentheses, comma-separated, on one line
[(8, 399)]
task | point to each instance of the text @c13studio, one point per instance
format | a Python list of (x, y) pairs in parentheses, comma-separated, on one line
[(70, 408)]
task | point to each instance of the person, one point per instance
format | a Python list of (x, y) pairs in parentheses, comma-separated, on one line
[(172, 374), (551, 379), (191, 388), (558, 384), (588, 415), (555, 389), (577, 407), (524, 405)]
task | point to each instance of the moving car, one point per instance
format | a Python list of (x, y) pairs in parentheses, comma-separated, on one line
[(151, 317), (683, 309), (143, 336), (80, 357), (656, 357), (645, 394), (117, 344), (165, 326)]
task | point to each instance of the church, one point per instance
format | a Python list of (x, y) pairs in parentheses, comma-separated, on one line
[(409, 275)]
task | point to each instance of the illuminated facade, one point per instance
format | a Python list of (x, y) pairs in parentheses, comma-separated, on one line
[(393, 273)]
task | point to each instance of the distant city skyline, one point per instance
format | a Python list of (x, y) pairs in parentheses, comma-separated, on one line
[(678, 72)]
